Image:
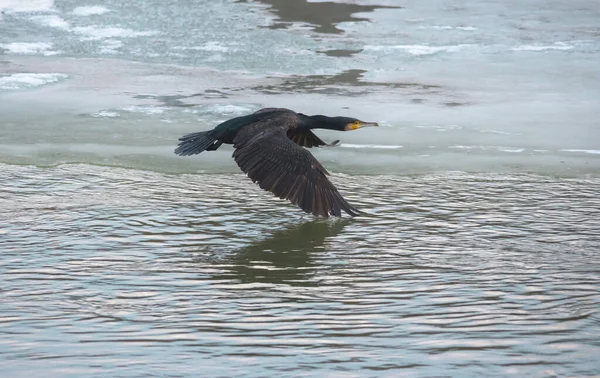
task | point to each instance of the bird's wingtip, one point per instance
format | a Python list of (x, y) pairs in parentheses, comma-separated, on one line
[(354, 212)]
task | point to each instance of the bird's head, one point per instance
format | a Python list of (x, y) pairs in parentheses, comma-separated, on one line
[(339, 123), (355, 124)]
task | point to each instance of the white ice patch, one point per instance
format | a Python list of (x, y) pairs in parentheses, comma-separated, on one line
[(595, 152), (51, 20), (90, 10), (224, 109), (510, 149), (110, 46), (150, 110), (467, 147), (29, 80), (29, 48), (99, 32), (377, 146), (439, 127), (497, 132), (418, 49), (11, 6), (299, 26), (209, 46), (556, 46), (486, 148), (445, 27), (295, 51), (105, 114)]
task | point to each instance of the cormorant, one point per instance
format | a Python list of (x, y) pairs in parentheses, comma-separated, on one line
[(268, 148)]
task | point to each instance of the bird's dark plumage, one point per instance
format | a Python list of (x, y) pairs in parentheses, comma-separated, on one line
[(268, 148)]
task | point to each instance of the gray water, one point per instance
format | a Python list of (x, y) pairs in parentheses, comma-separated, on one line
[(477, 255)]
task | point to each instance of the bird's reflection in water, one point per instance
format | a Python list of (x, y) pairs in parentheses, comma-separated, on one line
[(285, 256)]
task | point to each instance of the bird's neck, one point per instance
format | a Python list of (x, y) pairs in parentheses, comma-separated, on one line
[(317, 122)]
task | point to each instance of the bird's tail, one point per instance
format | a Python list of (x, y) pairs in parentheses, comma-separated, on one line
[(195, 143)]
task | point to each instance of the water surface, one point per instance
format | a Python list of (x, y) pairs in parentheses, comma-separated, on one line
[(478, 252)]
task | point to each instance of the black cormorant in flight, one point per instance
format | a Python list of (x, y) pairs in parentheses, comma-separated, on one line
[(268, 147)]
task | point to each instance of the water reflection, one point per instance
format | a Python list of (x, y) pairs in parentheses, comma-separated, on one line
[(346, 83), (323, 15), (286, 256)]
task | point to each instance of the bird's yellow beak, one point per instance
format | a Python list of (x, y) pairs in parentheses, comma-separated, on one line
[(359, 124)]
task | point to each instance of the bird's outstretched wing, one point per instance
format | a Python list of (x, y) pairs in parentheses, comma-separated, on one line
[(306, 139), (280, 166)]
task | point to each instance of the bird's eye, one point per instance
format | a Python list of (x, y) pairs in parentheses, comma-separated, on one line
[(356, 123)]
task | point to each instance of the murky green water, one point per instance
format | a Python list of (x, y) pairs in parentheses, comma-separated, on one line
[(107, 270)]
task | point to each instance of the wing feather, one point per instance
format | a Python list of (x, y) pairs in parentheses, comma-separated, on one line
[(306, 138), (277, 164)]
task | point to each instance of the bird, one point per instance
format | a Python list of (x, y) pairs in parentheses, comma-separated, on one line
[(268, 147)]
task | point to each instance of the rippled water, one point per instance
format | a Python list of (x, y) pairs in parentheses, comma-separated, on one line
[(117, 272)]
